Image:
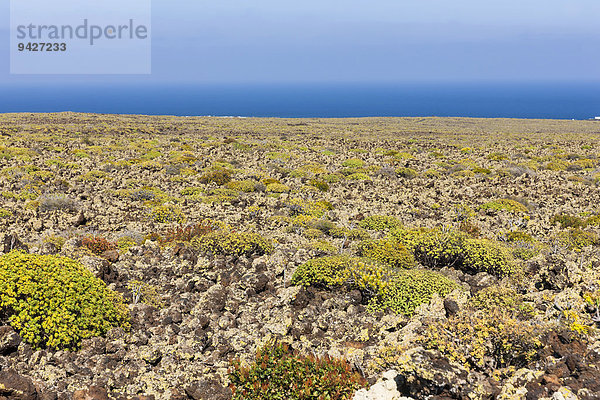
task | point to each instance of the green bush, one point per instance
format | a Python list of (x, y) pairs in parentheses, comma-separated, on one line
[(353, 163), (504, 299), (485, 340), (319, 184), (220, 176), (387, 252), (280, 373), (509, 205), (56, 302), (167, 213), (379, 223), (277, 188), (577, 239), (233, 243), (408, 289), (399, 291), (407, 173), (568, 221), (437, 248)]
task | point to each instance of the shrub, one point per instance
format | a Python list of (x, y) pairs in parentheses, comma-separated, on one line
[(277, 188), (476, 338), (167, 213), (220, 176), (233, 243), (379, 223), (567, 221), (142, 292), (353, 163), (143, 194), (312, 233), (125, 242), (518, 236), (4, 213), (594, 220), (319, 184), (246, 186), (56, 302), (577, 239), (401, 292), (338, 270), (97, 244), (437, 248), (509, 205), (387, 252), (278, 372), (407, 173), (502, 299), (187, 233), (53, 202), (408, 289), (358, 176)]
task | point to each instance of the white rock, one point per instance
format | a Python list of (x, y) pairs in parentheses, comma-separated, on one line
[(564, 394), (384, 389)]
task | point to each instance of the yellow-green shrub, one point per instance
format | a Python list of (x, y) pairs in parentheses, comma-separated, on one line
[(577, 239), (475, 338), (437, 248), (407, 173), (379, 223), (277, 188), (387, 252), (408, 289), (509, 205), (233, 243), (56, 302), (400, 292), (167, 213)]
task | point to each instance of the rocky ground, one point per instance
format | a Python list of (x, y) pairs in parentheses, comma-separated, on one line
[(305, 186)]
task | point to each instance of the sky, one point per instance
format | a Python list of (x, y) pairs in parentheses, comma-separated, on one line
[(280, 41)]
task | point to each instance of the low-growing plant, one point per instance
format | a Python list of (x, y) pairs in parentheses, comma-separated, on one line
[(577, 239), (233, 243), (142, 292), (502, 298), (567, 221), (56, 202), (319, 184), (387, 252), (408, 289), (277, 188), (97, 244), (220, 176), (509, 205), (186, 233), (477, 339), (441, 247), (399, 291), (380, 223), (278, 372), (56, 302), (406, 173), (167, 213), (353, 163)]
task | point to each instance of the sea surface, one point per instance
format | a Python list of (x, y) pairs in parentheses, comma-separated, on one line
[(513, 100)]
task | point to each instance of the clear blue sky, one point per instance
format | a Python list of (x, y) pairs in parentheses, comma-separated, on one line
[(267, 41)]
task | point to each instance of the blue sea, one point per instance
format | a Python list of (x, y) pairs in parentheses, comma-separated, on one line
[(512, 100)]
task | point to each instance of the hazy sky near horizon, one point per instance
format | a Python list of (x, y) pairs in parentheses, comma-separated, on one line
[(272, 41)]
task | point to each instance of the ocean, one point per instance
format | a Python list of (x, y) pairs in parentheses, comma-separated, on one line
[(494, 100)]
